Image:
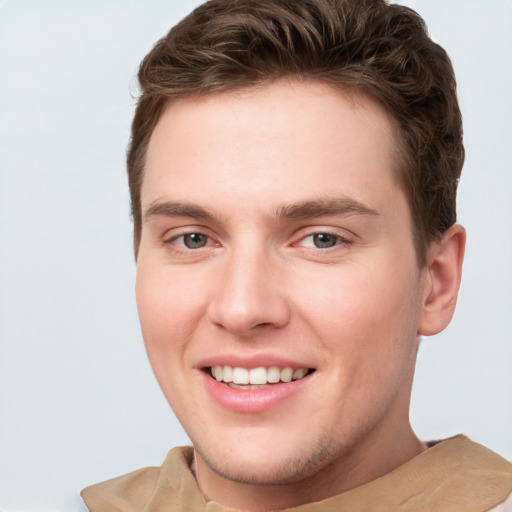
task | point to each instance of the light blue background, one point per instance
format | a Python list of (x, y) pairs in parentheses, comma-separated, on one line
[(78, 402)]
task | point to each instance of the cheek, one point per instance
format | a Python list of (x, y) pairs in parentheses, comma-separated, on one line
[(166, 318), (351, 294), (166, 298), (363, 311), (167, 313)]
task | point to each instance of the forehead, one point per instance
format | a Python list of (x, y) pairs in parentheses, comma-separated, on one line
[(280, 141)]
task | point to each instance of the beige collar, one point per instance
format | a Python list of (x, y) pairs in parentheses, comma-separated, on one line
[(455, 474)]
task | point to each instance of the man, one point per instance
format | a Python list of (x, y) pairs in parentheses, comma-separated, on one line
[(293, 171)]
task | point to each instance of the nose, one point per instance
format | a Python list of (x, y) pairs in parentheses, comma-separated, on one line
[(249, 295)]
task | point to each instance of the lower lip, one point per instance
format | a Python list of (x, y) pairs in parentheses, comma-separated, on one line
[(252, 400)]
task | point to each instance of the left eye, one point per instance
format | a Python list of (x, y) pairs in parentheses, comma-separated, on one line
[(193, 240), (322, 240)]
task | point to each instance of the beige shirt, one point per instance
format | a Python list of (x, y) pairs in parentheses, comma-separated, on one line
[(455, 475)]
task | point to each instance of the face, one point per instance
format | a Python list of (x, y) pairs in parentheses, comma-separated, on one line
[(277, 281)]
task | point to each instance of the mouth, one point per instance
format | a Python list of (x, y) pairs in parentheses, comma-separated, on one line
[(237, 377)]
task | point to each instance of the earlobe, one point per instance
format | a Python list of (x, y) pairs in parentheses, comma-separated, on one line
[(444, 270)]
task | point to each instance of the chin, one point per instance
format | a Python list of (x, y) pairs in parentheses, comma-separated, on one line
[(273, 466)]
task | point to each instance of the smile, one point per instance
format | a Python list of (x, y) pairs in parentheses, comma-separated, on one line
[(238, 376), (254, 390)]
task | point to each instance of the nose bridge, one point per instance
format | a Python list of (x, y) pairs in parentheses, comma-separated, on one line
[(247, 294)]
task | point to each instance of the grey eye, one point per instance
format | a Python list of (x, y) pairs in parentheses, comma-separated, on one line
[(325, 240), (194, 240)]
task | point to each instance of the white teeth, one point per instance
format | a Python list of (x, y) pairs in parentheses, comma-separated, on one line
[(298, 374), (273, 374), (286, 374), (240, 375), (227, 374), (256, 376)]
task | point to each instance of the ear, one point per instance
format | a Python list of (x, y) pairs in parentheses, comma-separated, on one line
[(443, 273)]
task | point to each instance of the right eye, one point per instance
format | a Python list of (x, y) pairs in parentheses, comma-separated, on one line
[(191, 240), (194, 240)]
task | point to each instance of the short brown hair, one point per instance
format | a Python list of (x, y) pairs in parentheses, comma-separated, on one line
[(367, 46)]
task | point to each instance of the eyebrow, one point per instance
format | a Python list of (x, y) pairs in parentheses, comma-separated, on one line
[(177, 209), (324, 206), (301, 210)]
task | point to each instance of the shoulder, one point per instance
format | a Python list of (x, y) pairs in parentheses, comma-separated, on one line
[(460, 452), (125, 493), (131, 492), (454, 474), (460, 471)]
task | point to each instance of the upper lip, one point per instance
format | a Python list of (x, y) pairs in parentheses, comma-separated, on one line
[(249, 362)]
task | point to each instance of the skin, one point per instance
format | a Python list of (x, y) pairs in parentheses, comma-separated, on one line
[(258, 172)]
